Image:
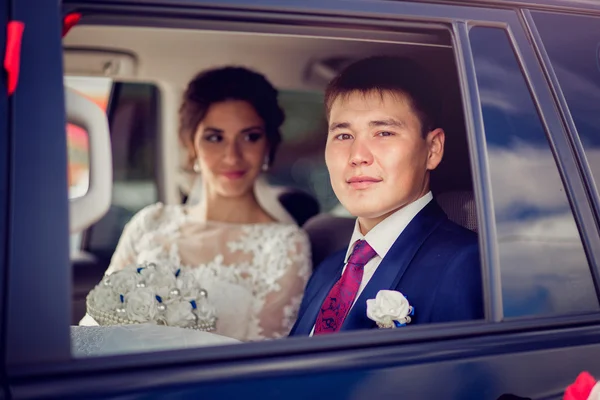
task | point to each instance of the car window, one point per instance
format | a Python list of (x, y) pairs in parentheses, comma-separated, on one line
[(299, 163), (544, 268), (575, 59)]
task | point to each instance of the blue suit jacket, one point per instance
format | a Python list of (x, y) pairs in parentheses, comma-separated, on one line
[(434, 263)]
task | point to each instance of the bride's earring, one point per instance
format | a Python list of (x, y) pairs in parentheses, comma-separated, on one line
[(265, 166), (196, 166)]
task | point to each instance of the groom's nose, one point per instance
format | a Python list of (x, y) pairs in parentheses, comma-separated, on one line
[(360, 154)]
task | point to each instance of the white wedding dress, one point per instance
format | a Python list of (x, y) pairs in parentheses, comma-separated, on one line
[(254, 274)]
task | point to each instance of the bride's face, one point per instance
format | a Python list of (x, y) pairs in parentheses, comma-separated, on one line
[(231, 146)]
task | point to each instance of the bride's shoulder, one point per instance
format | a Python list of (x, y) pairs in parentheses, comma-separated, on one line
[(156, 214), (286, 232)]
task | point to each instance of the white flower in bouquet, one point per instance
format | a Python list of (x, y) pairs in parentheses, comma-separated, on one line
[(141, 305), (204, 309), (162, 279), (105, 298), (187, 285), (180, 313), (125, 280)]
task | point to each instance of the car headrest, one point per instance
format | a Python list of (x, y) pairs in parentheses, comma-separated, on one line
[(299, 204), (329, 233), (460, 208)]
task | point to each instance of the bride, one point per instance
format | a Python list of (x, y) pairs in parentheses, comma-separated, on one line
[(239, 243)]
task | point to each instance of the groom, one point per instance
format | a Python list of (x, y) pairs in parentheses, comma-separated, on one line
[(382, 143)]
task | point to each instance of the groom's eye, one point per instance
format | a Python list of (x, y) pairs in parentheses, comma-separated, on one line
[(343, 136), (386, 133)]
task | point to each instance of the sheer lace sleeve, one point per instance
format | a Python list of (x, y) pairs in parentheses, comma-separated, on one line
[(127, 248), (289, 271)]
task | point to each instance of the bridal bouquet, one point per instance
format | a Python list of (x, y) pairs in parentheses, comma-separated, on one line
[(151, 293)]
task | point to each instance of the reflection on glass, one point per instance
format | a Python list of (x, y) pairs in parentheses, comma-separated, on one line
[(543, 265), (575, 59), (79, 161)]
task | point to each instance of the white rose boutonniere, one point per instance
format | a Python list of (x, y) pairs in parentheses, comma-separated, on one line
[(389, 309)]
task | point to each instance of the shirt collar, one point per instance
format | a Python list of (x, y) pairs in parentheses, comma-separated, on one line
[(382, 237)]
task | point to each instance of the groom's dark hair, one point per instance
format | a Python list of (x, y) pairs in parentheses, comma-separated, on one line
[(398, 75)]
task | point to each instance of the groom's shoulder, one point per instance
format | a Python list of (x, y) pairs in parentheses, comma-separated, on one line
[(453, 237), (452, 229)]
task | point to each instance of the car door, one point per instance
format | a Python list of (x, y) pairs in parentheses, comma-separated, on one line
[(37, 206), (530, 351), (4, 174)]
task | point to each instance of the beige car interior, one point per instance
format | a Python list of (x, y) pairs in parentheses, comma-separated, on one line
[(170, 57)]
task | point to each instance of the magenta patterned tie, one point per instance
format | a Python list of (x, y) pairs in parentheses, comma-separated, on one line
[(342, 295)]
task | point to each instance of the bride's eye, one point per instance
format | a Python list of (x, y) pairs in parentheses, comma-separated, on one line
[(213, 138), (253, 137)]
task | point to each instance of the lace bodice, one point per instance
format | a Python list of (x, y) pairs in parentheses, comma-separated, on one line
[(254, 273)]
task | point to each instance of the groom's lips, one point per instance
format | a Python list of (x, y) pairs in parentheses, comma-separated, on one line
[(362, 182)]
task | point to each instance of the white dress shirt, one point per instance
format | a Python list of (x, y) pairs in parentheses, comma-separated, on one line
[(382, 237)]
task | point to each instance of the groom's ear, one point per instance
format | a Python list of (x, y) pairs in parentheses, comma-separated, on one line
[(435, 148)]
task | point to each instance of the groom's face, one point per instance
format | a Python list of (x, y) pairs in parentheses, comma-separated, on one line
[(377, 157)]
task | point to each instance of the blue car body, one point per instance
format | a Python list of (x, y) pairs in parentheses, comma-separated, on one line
[(528, 355)]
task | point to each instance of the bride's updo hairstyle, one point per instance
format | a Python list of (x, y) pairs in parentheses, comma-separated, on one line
[(229, 83)]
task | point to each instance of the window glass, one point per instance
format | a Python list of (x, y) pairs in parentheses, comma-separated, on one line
[(575, 58), (254, 283), (544, 268)]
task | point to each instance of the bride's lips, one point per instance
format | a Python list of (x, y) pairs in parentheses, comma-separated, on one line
[(362, 182), (233, 174)]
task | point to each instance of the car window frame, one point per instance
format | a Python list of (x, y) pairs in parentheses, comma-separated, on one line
[(322, 349), (558, 139), (564, 109), (37, 214)]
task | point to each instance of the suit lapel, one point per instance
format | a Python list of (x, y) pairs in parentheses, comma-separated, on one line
[(332, 270), (394, 264)]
